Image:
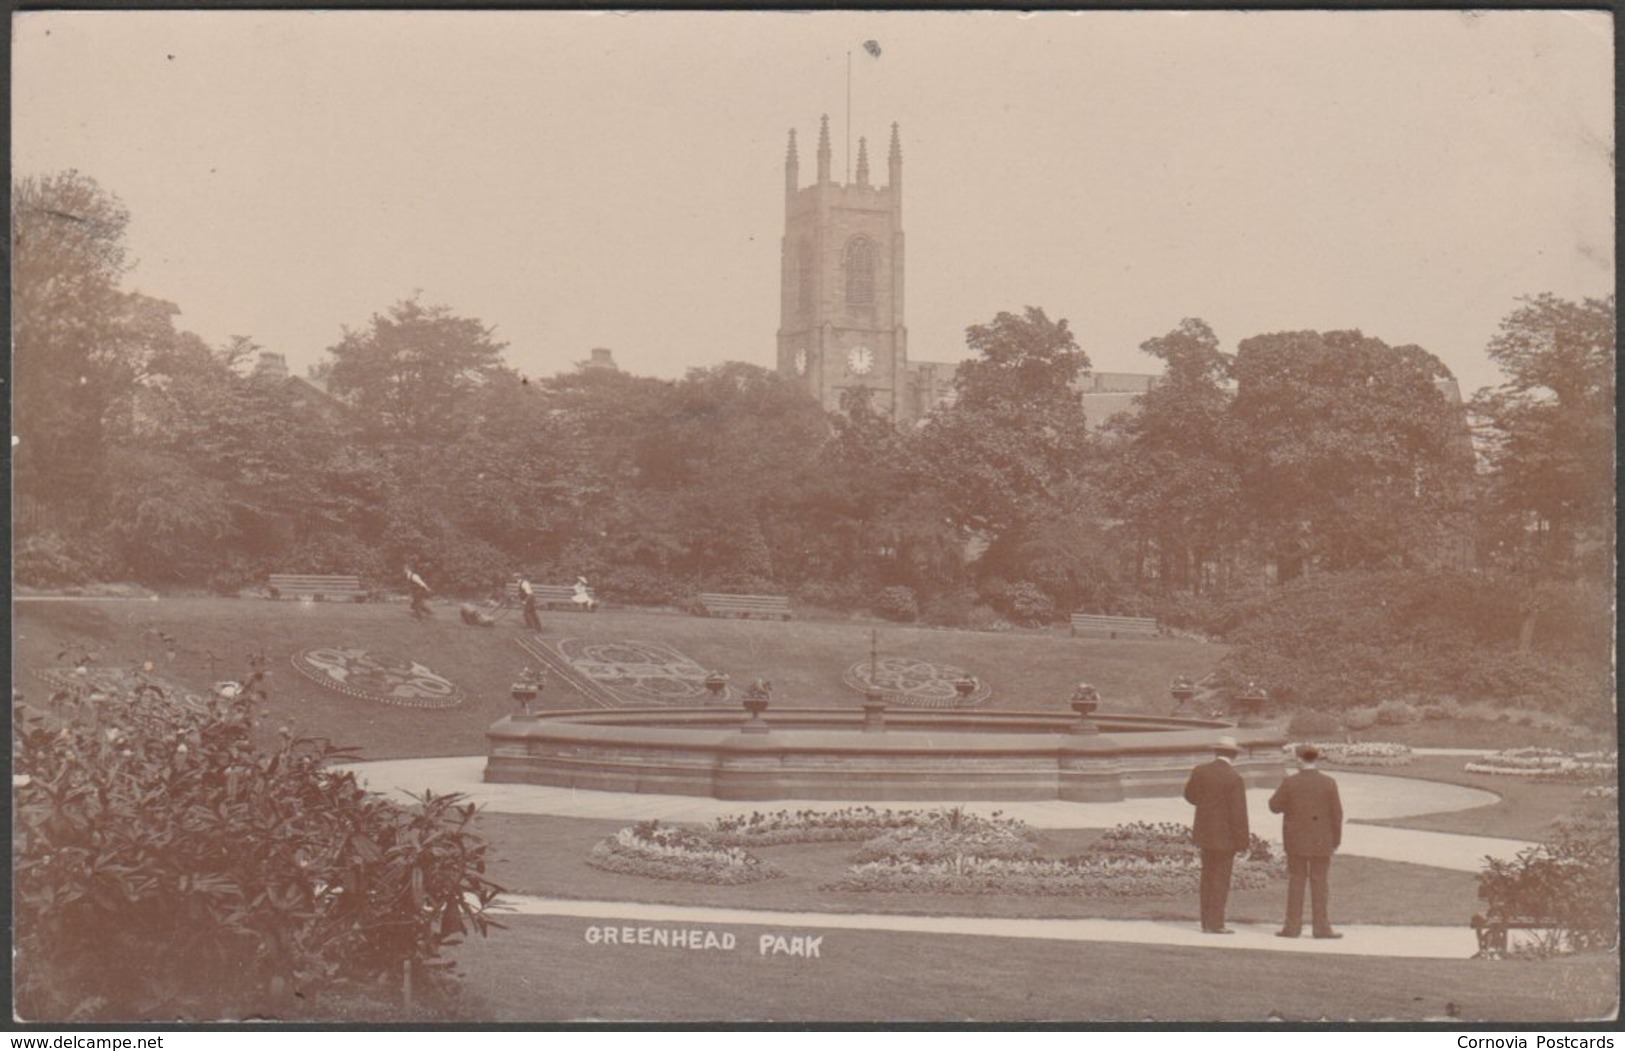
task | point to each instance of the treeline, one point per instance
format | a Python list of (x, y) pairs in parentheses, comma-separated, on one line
[(145, 454)]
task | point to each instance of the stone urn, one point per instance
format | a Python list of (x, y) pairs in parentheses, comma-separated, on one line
[(716, 682), (756, 701), (1183, 690), (964, 686), (1085, 699), (525, 691), (1251, 703)]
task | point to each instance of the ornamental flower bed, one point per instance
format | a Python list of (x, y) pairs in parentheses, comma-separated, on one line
[(807, 826), (1364, 753), (669, 852), (1152, 841), (1135, 860), (944, 835), (1086, 876), (1549, 764)]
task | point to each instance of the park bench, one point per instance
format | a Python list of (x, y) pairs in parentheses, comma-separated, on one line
[(550, 596), (317, 586), (747, 606), (1494, 932), (1112, 627)]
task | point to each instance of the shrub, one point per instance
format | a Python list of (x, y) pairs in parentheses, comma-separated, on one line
[(985, 618), (50, 560), (1396, 713), (1029, 604), (336, 553), (841, 595), (1360, 718), (1307, 724), (898, 603), (1570, 881), (1340, 638), (167, 867), (636, 585)]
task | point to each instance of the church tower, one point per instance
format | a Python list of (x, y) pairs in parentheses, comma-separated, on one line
[(841, 287)]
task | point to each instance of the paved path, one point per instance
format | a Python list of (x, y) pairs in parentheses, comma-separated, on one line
[(1366, 797), (1438, 943)]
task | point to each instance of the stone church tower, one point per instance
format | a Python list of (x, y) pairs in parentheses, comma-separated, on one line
[(841, 287)]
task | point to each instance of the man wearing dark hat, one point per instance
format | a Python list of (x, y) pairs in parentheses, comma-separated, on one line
[(1311, 828), (1220, 830)]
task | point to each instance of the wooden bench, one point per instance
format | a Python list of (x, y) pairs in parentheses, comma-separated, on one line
[(1494, 933), (317, 586), (1112, 627), (551, 596), (747, 606)]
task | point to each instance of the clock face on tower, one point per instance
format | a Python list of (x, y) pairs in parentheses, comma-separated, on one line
[(860, 360), (801, 361)]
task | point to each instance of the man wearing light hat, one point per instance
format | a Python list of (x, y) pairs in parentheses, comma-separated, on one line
[(1311, 830), (1220, 831)]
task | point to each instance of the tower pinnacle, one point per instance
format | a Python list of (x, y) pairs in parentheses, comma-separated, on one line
[(894, 160), (792, 166), (823, 149), (863, 161)]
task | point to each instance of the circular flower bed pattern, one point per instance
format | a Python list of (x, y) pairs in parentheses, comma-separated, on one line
[(914, 683), (378, 678), (638, 672)]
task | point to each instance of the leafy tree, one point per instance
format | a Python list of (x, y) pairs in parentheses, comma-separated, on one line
[(1350, 454), (868, 514), (1548, 430), (1171, 475), (68, 350), (1015, 435), (408, 372)]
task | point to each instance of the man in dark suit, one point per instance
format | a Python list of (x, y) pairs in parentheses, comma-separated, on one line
[(1220, 831), (1312, 828)]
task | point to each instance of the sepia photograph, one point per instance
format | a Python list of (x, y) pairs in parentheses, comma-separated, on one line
[(515, 523)]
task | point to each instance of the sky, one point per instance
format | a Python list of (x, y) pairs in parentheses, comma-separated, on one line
[(579, 180)]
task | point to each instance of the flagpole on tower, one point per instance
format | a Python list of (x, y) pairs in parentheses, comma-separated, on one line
[(849, 115)]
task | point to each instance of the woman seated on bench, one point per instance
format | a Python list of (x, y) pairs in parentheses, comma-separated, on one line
[(581, 596)]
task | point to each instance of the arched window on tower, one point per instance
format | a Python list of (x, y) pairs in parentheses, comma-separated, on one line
[(804, 276), (860, 272)]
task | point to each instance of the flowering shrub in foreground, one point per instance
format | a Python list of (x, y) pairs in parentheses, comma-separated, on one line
[(165, 866), (1548, 764), (1363, 753), (1568, 884), (670, 852)]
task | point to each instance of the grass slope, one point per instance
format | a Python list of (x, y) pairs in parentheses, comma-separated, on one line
[(805, 659)]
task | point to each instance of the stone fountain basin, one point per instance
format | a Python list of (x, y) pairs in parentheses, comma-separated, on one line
[(828, 753)]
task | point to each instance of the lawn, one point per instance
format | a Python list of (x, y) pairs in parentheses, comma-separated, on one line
[(542, 969), (804, 659), (548, 856)]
